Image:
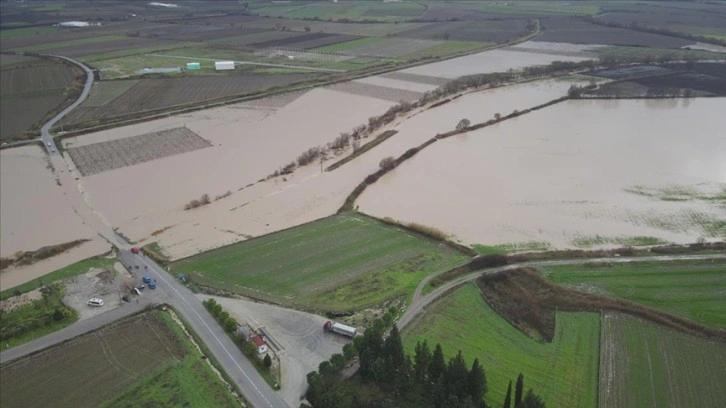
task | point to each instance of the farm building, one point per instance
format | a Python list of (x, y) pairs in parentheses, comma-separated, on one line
[(224, 65), (193, 66), (261, 344)]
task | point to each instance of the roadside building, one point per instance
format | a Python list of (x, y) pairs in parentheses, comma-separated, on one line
[(261, 344)]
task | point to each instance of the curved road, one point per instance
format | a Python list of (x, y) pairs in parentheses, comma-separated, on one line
[(45, 130)]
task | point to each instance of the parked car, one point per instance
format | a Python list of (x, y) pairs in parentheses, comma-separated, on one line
[(146, 279), (95, 302), (134, 250), (152, 284)]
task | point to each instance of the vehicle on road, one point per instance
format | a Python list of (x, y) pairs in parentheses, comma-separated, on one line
[(340, 328), (134, 250), (126, 298), (95, 302), (48, 144), (152, 284), (147, 279)]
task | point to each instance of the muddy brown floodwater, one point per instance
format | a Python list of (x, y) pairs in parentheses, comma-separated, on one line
[(613, 168)]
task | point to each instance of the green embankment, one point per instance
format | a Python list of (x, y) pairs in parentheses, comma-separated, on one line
[(564, 372)]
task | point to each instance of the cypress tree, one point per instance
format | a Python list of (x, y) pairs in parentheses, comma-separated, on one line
[(532, 400), (421, 362), (438, 365), (518, 390), (456, 378), (508, 397), (477, 386)]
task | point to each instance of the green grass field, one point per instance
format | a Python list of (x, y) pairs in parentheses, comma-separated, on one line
[(646, 365), (564, 373), (343, 46), (512, 247), (340, 262), (690, 289), (25, 32)]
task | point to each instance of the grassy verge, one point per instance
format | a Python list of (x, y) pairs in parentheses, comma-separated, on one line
[(155, 252), (647, 365), (69, 271), (511, 247), (37, 318), (297, 265), (31, 257), (563, 372), (690, 289)]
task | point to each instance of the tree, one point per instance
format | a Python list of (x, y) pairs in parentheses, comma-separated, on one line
[(438, 365), (518, 390), (337, 361), (325, 368), (348, 351), (267, 361), (497, 116), (307, 29), (456, 378), (464, 123), (421, 362), (508, 397), (395, 360), (477, 382), (532, 400), (58, 315)]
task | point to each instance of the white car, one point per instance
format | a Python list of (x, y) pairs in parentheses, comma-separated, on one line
[(95, 302)]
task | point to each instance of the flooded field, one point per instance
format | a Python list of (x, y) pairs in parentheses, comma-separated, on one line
[(568, 173), (34, 211), (500, 60)]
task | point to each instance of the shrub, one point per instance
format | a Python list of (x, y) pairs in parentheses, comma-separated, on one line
[(267, 361), (203, 200), (428, 230), (308, 156), (464, 123), (340, 142), (387, 163)]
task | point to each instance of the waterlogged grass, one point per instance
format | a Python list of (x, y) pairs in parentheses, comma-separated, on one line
[(589, 241), (187, 382), (679, 193), (690, 289), (646, 365), (67, 272), (331, 256), (512, 247), (564, 372)]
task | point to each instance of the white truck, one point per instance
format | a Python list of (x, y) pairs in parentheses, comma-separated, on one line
[(340, 328)]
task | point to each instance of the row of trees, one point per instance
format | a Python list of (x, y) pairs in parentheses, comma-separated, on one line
[(387, 377)]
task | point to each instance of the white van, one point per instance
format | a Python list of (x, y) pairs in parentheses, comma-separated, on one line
[(95, 302)]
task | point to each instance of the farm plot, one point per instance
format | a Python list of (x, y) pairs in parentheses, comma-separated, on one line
[(571, 29), (493, 31), (153, 94), (29, 89), (421, 79), (690, 289), (563, 372), (298, 264), (305, 41), (104, 92), (646, 365), (141, 361), (99, 157), (376, 91), (687, 21), (391, 47)]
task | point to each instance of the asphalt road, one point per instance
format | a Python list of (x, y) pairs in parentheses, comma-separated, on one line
[(45, 130), (233, 362)]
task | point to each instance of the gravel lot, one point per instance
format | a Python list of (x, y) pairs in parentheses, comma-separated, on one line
[(300, 336), (98, 283)]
